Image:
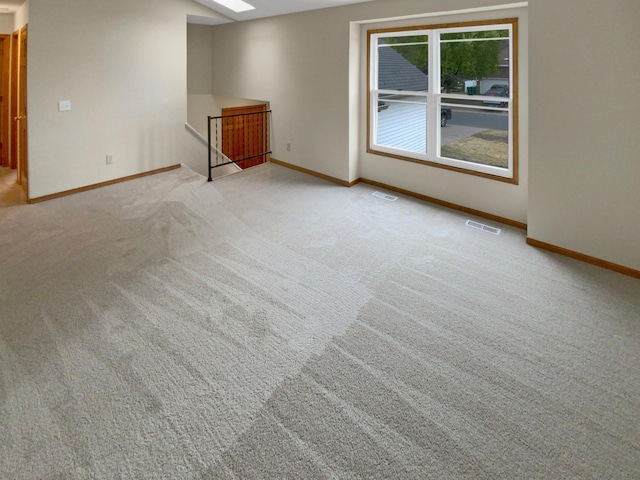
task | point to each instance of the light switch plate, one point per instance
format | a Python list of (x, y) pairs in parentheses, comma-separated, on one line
[(64, 105)]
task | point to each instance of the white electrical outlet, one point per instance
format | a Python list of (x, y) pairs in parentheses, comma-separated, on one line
[(288, 147), (109, 159), (64, 105)]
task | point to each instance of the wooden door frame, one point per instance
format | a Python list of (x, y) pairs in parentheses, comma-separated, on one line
[(23, 147), (15, 42), (4, 104)]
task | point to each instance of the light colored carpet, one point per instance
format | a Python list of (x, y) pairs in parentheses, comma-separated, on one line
[(272, 325)]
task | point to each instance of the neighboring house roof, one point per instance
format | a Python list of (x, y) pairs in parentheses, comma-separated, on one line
[(396, 73)]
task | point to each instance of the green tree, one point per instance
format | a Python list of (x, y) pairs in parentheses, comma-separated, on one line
[(463, 56), (469, 57)]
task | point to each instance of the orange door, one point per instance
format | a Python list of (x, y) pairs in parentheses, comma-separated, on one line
[(244, 134)]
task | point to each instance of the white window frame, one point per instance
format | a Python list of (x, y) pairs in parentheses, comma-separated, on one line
[(435, 98)]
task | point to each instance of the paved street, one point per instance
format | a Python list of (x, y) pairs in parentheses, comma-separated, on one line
[(465, 123), (479, 119)]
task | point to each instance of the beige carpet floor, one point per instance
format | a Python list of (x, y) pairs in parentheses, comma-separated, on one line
[(273, 325)]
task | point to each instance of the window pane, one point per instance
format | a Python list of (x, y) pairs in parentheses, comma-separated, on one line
[(402, 123), (403, 63), (474, 61), (470, 124), (475, 135)]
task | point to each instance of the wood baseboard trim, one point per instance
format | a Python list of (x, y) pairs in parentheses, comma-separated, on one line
[(453, 206), (101, 184), (425, 198), (314, 173), (584, 258)]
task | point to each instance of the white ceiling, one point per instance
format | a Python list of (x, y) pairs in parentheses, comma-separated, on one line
[(265, 8)]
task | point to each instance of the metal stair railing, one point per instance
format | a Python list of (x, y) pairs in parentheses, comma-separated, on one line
[(245, 138)]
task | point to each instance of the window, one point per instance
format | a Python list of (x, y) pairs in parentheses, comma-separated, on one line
[(446, 95)]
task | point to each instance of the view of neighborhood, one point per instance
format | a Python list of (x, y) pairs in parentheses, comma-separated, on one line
[(473, 66)]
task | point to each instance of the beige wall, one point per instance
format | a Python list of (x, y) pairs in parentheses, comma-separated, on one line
[(498, 198), (21, 17), (199, 60), (122, 65), (6, 24), (10, 22), (200, 99), (299, 64), (579, 169), (584, 185), (310, 67)]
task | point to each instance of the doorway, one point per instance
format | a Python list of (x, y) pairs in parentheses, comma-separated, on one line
[(13, 114)]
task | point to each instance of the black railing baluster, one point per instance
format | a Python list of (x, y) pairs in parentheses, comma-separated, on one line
[(209, 143), (217, 150), (239, 139)]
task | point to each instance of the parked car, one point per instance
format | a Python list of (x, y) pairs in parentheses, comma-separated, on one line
[(445, 115), (497, 90)]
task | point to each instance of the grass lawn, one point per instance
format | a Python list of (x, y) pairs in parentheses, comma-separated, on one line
[(489, 147)]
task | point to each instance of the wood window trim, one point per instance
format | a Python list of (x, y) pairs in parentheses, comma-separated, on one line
[(513, 21)]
